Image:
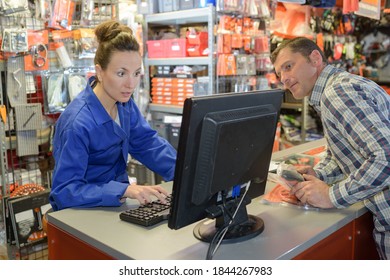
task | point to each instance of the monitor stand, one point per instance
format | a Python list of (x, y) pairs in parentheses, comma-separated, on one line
[(243, 227)]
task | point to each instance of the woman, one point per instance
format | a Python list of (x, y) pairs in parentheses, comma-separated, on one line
[(101, 126)]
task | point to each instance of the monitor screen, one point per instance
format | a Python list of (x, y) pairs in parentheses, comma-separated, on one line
[(224, 152)]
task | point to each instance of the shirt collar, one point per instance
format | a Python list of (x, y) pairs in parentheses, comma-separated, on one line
[(99, 113), (320, 84)]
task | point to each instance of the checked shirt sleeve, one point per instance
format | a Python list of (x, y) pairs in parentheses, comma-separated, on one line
[(356, 117)]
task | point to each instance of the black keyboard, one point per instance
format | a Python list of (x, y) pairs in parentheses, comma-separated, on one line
[(147, 215)]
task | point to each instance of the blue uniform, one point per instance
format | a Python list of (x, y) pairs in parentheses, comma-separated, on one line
[(91, 151)]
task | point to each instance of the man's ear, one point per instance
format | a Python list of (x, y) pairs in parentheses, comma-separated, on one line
[(316, 58)]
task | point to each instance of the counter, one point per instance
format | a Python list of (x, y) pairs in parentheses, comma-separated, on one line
[(290, 233)]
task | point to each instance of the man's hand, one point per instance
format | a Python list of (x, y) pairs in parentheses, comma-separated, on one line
[(313, 191), (307, 169)]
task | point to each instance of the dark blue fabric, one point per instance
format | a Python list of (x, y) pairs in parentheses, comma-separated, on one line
[(91, 152)]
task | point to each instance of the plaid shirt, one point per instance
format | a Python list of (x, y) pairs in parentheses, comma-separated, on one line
[(355, 113)]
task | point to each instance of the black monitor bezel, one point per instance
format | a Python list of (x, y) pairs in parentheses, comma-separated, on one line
[(182, 213)]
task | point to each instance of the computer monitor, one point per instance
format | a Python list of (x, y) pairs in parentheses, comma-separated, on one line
[(225, 144)]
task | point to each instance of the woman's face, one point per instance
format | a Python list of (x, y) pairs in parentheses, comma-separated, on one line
[(297, 74), (122, 75)]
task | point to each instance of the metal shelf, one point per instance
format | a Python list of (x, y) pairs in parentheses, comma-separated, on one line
[(178, 61), (304, 108), (180, 17), (166, 108)]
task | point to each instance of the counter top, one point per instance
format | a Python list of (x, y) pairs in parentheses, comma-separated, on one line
[(288, 231)]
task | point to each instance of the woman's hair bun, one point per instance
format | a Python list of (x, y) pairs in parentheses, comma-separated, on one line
[(108, 30)]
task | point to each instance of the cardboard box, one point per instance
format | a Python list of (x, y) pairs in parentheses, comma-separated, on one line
[(147, 6), (186, 4), (168, 5)]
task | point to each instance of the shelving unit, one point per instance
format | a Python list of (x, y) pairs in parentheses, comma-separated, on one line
[(304, 108), (210, 17), (3, 154), (184, 17), (25, 157)]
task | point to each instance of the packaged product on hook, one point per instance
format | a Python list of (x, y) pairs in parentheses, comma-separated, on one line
[(63, 55), (10, 7)]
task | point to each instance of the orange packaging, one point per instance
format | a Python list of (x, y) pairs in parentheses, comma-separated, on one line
[(247, 25), (186, 81), (62, 14), (59, 35), (320, 41), (225, 23), (226, 65), (220, 43), (227, 43), (247, 43), (276, 146), (160, 79), (237, 42), (38, 41)]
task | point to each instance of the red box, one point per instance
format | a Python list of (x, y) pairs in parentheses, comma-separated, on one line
[(157, 48), (176, 48), (201, 38), (197, 50)]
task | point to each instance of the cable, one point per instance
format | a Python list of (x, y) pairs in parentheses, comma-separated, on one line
[(225, 206), (212, 248), (220, 234)]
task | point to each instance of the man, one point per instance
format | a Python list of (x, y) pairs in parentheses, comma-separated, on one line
[(355, 113)]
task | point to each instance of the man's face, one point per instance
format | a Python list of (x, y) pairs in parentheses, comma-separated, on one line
[(297, 74)]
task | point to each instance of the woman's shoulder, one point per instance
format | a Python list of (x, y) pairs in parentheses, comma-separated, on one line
[(76, 115)]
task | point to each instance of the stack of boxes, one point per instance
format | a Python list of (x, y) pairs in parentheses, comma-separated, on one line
[(167, 48), (172, 91), (197, 43)]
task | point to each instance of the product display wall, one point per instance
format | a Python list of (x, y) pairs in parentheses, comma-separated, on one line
[(47, 51), (47, 56)]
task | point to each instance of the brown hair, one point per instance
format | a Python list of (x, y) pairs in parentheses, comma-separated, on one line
[(300, 45), (113, 36)]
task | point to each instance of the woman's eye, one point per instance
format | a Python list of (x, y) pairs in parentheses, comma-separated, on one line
[(121, 74)]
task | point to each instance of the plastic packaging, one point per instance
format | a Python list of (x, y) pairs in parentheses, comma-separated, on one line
[(288, 174), (63, 55)]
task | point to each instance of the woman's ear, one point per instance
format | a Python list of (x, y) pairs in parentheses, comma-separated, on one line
[(98, 70)]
